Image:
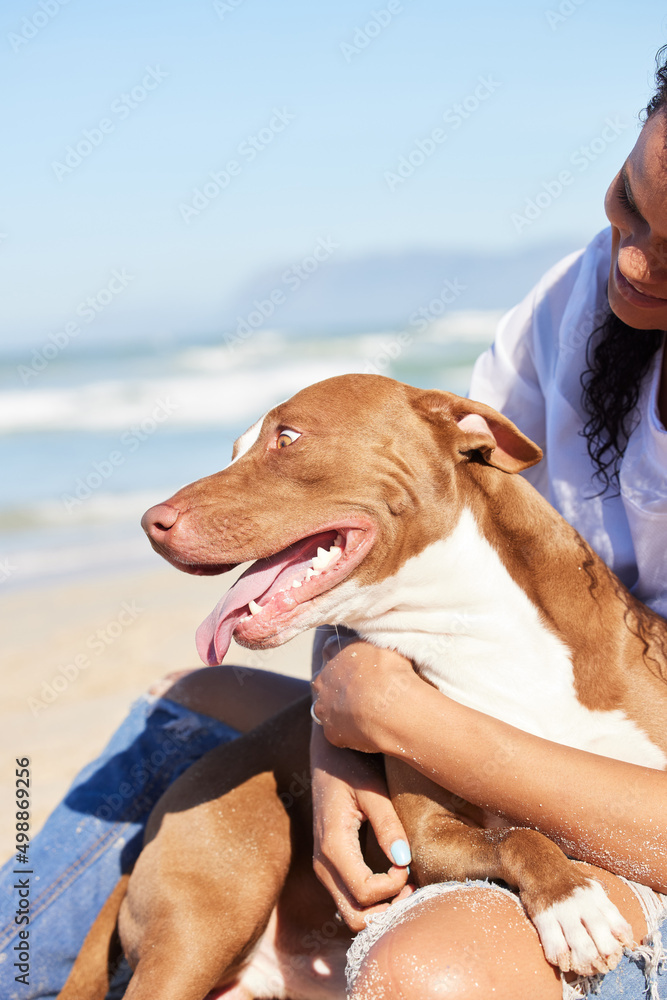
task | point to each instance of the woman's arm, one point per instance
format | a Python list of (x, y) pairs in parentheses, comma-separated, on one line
[(348, 789), (603, 811)]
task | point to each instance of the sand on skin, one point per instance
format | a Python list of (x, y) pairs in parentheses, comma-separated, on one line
[(42, 631)]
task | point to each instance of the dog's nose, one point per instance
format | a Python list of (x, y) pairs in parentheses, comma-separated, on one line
[(157, 521)]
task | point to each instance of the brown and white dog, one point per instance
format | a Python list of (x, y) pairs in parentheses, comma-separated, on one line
[(396, 512)]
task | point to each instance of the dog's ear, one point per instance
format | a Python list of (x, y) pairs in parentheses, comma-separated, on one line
[(499, 441), (480, 428)]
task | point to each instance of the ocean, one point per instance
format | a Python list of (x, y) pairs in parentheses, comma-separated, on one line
[(90, 439)]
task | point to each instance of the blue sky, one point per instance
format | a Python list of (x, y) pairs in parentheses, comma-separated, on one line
[(334, 95)]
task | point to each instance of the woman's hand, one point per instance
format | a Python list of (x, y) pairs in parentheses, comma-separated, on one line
[(349, 789), (358, 691)]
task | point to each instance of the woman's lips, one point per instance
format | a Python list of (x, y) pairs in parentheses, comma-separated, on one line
[(634, 296)]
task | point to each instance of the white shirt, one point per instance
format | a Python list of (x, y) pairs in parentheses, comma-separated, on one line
[(532, 372)]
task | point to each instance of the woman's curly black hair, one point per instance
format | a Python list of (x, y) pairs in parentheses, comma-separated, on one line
[(618, 358)]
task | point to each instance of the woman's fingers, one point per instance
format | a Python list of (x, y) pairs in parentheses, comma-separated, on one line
[(360, 893), (358, 691), (357, 891), (388, 829), (348, 790), (353, 912), (339, 862), (337, 642)]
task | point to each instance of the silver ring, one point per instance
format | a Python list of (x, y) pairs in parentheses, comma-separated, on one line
[(312, 714)]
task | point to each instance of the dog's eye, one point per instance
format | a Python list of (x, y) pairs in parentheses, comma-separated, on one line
[(286, 438)]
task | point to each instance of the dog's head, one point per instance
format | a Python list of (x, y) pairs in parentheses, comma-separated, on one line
[(343, 482)]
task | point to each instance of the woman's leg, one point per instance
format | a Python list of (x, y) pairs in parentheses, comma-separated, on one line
[(475, 942), (243, 697), (96, 833)]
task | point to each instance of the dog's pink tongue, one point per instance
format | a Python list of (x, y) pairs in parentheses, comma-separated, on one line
[(214, 635)]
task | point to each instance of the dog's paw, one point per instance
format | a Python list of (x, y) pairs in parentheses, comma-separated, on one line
[(583, 933)]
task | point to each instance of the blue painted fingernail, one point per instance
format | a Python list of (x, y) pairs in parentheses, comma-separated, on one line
[(400, 852)]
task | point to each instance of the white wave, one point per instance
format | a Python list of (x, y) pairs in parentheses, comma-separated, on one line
[(265, 344), (216, 399), (97, 508), (220, 387), (476, 326), (25, 567)]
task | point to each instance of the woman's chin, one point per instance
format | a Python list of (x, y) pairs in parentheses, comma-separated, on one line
[(638, 317)]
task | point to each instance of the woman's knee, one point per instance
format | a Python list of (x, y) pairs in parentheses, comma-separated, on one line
[(472, 943), (241, 697)]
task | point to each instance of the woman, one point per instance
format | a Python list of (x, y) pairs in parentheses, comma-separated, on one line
[(596, 322), (471, 941)]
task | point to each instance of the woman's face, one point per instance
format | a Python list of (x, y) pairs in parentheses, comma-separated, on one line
[(636, 206)]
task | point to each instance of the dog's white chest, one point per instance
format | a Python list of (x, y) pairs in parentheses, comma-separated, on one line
[(455, 611)]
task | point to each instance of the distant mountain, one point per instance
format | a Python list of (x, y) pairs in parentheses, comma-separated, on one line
[(379, 289)]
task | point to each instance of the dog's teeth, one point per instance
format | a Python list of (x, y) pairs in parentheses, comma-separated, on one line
[(312, 572), (321, 560), (296, 583), (254, 608), (338, 540), (326, 557)]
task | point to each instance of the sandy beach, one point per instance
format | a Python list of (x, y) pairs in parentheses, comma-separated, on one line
[(77, 653)]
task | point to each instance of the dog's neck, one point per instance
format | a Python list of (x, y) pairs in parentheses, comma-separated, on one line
[(458, 614), (460, 611), (488, 571)]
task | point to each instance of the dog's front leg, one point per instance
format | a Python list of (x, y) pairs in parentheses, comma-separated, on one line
[(580, 928)]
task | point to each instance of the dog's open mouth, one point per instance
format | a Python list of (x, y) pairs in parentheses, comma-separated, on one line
[(271, 593)]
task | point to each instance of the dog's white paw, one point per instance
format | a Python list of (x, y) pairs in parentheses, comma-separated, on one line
[(583, 933)]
